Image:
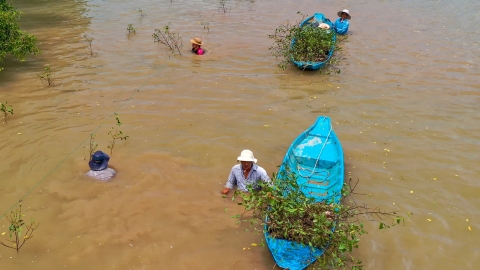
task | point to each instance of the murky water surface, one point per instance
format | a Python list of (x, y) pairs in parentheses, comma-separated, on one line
[(405, 107)]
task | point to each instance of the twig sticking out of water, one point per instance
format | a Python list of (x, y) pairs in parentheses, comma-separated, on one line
[(17, 225), (6, 110), (47, 77), (169, 38), (89, 40), (223, 6)]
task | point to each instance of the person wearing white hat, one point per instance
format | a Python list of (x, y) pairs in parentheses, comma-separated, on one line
[(341, 24), (246, 174)]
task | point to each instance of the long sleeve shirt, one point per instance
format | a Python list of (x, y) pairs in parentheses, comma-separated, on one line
[(256, 174), (341, 26)]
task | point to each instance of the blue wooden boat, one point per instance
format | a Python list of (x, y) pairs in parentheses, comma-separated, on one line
[(316, 158), (316, 18)]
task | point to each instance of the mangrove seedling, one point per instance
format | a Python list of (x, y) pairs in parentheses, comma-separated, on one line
[(93, 145), (116, 134), (47, 77), (206, 27), (89, 40), (131, 29), (19, 231), (285, 212), (223, 6), (169, 38), (142, 14), (6, 109)]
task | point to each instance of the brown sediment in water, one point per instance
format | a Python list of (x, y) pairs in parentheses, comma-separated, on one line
[(404, 114)]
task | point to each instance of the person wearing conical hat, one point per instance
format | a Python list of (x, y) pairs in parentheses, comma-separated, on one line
[(197, 46), (341, 24), (247, 174)]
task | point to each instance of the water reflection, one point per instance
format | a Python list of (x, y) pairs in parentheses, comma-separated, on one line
[(52, 22)]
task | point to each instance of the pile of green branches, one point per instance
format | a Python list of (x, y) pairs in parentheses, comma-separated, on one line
[(311, 44), (287, 213), (307, 43)]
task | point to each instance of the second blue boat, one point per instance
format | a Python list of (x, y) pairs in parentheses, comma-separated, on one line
[(317, 18)]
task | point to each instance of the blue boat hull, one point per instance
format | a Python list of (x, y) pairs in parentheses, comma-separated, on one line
[(320, 18), (316, 158), (291, 255)]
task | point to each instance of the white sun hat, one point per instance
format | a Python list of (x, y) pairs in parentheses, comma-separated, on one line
[(247, 155), (324, 26), (344, 11)]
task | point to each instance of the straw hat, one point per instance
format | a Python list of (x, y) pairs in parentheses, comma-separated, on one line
[(324, 26), (247, 155), (344, 11), (197, 41)]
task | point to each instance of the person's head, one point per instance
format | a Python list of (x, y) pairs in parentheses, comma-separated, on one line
[(344, 14), (99, 161), (196, 43), (247, 159)]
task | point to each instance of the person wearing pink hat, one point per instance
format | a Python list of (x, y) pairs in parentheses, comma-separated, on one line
[(341, 24), (246, 174)]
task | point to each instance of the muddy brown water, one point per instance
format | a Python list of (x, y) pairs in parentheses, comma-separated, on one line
[(404, 107)]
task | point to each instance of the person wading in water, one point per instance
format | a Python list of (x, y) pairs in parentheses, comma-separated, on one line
[(196, 46), (246, 174)]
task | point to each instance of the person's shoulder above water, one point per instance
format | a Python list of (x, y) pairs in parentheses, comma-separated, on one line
[(102, 175), (260, 169), (237, 167)]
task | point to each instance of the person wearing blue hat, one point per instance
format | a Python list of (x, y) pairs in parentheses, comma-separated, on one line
[(99, 167)]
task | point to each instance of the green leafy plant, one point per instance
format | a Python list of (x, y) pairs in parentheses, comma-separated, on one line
[(307, 43), (19, 231), (89, 41), (287, 213), (93, 145), (169, 38), (6, 109), (13, 40), (116, 134), (131, 29), (47, 77), (311, 44)]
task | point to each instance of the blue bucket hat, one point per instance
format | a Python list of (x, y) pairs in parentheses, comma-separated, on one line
[(99, 161)]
